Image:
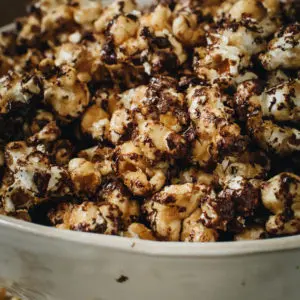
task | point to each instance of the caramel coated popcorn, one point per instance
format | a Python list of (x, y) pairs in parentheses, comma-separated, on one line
[(173, 122), (271, 114), (5, 295)]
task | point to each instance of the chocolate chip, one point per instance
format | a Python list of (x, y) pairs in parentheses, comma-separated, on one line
[(122, 279)]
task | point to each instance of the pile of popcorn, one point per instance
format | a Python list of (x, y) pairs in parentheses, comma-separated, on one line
[(174, 122)]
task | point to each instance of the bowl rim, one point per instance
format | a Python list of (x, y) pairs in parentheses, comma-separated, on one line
[(14, 226)]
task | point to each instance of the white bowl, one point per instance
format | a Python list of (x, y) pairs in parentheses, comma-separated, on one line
[(44, 263), (40, 263)]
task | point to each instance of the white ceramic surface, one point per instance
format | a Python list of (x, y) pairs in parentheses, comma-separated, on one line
[(40, 263), (44, 263)]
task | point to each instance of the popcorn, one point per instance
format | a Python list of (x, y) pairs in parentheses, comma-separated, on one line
[(5, 64), (265, 109), (249, 165), (48, 134), (83, 57), (122, 29), (276, 77), (37, 122), (164, 55), (156, 140), (265, 14), (163, 102), (21, 214), (67, 96), (30, 178), (192, 19), (217, 211), (101, 157), (8, 42), (41, 128), (159, 19), (280, 195), (139, 231), (114, 9), (187, 30), (194, 175), (96, 123), (28, 61), (56, 16), (17, 91), (107, 99), (167, 209), (138, 174), (283, 51), (228, 53), (115, 193), (29, 31), (84, 175), (252, 233), (121, 125), (194, 231), (62, 152), (87, 11), (141, 44), (86, 217), (216, 134)]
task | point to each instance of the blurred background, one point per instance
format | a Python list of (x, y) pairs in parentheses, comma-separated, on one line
[(11, 9)]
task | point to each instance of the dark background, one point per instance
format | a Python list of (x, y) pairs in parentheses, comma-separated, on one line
[(10, 9)]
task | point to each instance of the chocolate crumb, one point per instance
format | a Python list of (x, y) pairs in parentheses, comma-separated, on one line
[(122, 279)]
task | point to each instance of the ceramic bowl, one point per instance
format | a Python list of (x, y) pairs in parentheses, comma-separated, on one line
[(44, 263)]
